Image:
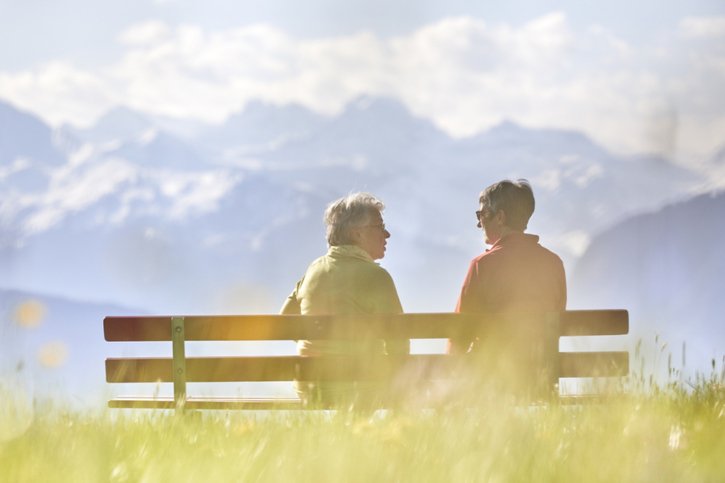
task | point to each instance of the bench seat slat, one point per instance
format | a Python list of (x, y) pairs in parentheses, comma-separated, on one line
[(594, 322), (277, 368), (288, 368)]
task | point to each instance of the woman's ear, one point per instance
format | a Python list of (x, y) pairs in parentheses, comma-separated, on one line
[(354, 235)]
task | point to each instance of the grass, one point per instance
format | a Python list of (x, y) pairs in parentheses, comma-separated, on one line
[(666, 434)]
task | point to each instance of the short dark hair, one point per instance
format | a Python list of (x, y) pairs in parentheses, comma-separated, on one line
[(514, 198)]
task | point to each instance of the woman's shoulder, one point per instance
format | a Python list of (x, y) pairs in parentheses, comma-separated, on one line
[(377, 273)]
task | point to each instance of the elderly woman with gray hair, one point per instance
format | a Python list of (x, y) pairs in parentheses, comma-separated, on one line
[(347, 281)]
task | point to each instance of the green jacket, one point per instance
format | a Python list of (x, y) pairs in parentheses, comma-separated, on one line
[(345, 281)]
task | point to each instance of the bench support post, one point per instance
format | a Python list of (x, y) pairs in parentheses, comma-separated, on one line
[(179, 362)]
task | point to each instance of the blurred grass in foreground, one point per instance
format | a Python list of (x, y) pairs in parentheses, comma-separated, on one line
[(667, 434)]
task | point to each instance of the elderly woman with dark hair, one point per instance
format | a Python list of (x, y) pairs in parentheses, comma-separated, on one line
[(347, 281)]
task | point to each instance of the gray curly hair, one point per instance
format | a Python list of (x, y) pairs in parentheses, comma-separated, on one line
[(352, 210)]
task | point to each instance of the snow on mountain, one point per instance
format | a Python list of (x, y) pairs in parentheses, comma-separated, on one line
[(156, 148), (667, 268), (130, 135), (258, 129), (29, 153), (163, 240)]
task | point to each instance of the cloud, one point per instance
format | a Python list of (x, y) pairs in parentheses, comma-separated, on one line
[(462, 73), (145, 33), (703, 27), (466, 75), (60, 92)]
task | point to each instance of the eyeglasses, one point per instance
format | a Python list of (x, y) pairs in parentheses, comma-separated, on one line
[(482, 214), (377, 225)]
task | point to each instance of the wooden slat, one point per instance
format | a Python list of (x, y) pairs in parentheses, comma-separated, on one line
[(593, 364), (279, 368), (288, 368), (137, 329), (594, 322), (404, 326), (287, 327)]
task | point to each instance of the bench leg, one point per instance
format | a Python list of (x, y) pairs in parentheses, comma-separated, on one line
[(179, 362)]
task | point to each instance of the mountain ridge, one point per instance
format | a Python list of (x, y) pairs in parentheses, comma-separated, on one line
[(169, 215), (667, 268)]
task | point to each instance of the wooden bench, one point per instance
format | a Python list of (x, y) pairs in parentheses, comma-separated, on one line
[(418, 368)]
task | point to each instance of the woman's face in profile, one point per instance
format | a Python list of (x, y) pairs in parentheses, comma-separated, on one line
[(490, 223), (372, 237)]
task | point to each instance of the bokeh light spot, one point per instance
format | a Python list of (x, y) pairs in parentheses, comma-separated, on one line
[(53, 354), (29, 314)]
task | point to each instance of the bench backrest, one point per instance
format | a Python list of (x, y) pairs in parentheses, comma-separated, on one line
[(180, 369)]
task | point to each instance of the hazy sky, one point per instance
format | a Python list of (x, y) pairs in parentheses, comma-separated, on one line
[(637, 76)]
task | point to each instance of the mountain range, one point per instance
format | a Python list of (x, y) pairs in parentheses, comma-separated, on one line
[(172, 216)]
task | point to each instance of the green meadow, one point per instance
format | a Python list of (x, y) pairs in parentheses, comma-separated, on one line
[(670, 433)]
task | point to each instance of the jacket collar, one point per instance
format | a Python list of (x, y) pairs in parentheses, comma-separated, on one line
[(349, 251), (515, 237)]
